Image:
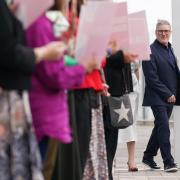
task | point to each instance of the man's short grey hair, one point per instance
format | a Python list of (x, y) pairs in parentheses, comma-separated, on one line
[(162, 22)]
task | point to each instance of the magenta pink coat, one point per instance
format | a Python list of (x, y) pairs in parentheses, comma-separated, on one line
[(50, 82)]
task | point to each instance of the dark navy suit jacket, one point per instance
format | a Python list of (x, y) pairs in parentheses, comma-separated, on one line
[(161, 76)]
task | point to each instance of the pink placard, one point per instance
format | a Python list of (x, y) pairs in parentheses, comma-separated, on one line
[(138, 35), (120, 26), (30, 10), (94, 30)]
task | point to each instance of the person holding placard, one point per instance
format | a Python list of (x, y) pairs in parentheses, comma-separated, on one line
[(19, 157), (116, 62), (50, 82)]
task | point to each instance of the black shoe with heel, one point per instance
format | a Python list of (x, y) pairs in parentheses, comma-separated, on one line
[(131, 168)]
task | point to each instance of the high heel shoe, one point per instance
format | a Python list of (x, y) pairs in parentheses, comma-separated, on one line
[(132, 169)]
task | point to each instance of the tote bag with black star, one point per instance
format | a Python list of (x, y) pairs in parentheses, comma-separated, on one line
[(120, 111), (121, 114)]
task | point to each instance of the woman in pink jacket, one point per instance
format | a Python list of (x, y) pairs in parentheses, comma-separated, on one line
[(50, 82)]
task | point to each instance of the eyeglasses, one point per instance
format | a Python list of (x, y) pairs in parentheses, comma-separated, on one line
[(163, 31)]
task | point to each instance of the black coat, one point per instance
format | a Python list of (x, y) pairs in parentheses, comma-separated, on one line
[(17, 62), (118, 75)]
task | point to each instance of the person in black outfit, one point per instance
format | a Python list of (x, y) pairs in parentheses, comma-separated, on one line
[(19, 157), (116, 61)]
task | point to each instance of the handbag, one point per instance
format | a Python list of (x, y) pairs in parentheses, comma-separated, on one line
[(120, 111), (121, 115)]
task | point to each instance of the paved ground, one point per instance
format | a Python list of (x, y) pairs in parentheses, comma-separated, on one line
[(120, 167)]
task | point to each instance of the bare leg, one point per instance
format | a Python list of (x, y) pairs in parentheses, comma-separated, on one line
[(131, 155)]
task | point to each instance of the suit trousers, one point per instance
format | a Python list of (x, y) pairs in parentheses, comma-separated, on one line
[(160, 137)]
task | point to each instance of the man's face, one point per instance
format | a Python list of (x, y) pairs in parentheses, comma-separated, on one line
[(163, 33)]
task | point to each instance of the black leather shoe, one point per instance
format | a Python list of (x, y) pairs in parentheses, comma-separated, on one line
[(150, 163), (171, 168)]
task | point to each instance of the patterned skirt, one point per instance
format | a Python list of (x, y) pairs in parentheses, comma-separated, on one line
[(19, 153), (96, 163)]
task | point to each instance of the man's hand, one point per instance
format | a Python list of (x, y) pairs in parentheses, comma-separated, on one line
[(171, 99)]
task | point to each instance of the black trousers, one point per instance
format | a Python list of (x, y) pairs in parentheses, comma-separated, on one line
[(160, 137), (111, 138)]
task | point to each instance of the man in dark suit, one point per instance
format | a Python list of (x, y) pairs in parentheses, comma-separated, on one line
[(162, 77)]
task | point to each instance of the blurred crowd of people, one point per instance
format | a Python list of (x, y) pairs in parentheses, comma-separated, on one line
[(54, 124)]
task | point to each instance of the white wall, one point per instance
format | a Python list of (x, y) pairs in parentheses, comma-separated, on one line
[(176, 27), (176, 45)]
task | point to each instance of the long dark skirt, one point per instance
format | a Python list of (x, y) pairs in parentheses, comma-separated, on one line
[(85, 158), (68, 163)]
